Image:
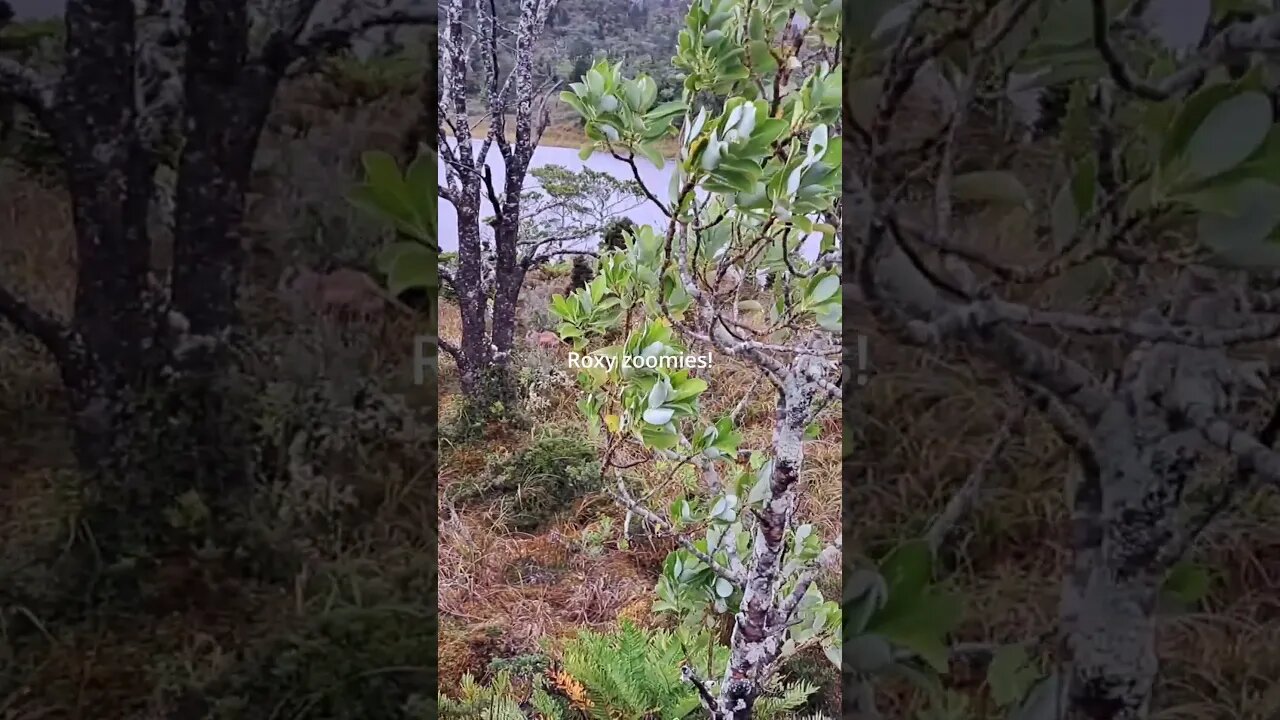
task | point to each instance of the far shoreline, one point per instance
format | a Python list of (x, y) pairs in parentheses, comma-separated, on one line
[(568, 136)]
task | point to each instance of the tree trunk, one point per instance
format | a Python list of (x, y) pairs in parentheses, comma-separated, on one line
[(760, 626), (1124, 524), (488, 334), (508, 279), (153, 414)]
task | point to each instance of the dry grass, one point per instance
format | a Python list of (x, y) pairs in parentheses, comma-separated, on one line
[(37, 262), (488, 613), (924, 422)]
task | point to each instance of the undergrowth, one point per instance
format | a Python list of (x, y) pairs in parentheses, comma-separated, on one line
[(536, 483)]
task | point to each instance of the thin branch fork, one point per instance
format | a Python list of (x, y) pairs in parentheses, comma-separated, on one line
[(1250, 452), (700, 685), (624, 497), (1261, 35), (964, 499), (985, 313)]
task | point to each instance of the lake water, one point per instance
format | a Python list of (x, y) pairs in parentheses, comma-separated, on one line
[(646, 213)]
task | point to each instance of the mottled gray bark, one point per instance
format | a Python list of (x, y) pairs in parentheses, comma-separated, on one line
[(760, 627), (488, 325), (1139, 450), (142, 362)]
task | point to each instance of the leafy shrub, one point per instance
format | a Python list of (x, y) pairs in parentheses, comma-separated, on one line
[(543, 379), (526, 666), (347, 665), (557, 269), (637, 674), (448, 263), (355, 81), (538, 482), (614, 236), (580, 275), (503, 699)]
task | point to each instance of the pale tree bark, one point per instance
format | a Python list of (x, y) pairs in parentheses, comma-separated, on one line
[(759, 629), (488, 326), (805, 375), (1139, 428)]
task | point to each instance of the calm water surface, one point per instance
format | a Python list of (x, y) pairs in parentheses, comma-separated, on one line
[(646, 213)]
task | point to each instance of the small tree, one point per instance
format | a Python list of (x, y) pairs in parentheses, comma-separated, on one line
[(1160, 214), (615, 234), (144, 363), (567, 208), (488, 324), (751, 182)]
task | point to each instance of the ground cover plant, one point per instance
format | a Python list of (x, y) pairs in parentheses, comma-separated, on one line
[(707, 586)]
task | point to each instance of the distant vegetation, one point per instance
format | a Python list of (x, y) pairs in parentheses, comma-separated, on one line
[(579, 32)]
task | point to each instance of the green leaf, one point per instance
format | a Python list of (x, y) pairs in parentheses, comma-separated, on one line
[(658, 416), (381, 169), (421, 181), (413, 267), (990, 186), (1041, 703), (724, 588), (664, 111), (658, 395), (762, 60), (921, 625), (1011, 674), (690, 388), (1231, 132), (652, 155), (908, 569), (869, 653), (831, 320), (824, 289), (659, 438), (833, 653), (1187, 583), (386, 257), (1064, 217), (863, 18), (864, 97), (1242, 240), (1189, 118)]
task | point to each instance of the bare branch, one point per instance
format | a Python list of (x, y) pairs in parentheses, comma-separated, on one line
[(624, 497), (451, 349), (965, 497), (700, 685), (337, 37), (1260, 35), (294, 43), (1252, 455), (55, 336)]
